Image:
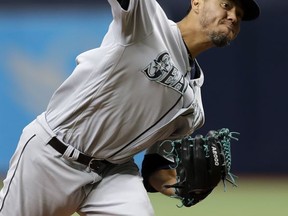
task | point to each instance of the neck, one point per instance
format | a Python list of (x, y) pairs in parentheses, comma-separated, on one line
[(195, 40)]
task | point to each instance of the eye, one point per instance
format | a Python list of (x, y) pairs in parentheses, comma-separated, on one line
[(226, 5), (229, 5)]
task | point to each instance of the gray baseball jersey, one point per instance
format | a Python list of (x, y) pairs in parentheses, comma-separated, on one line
[(132, 91), (123, 97)]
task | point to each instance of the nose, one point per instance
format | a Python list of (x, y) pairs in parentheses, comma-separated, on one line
[(233, 15)]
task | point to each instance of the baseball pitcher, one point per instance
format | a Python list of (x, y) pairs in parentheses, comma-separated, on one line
[(139, 90)]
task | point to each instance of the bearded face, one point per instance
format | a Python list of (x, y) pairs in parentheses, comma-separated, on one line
[(220, 21)]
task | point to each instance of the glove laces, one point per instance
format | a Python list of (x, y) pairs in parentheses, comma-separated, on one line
[(225, 136)]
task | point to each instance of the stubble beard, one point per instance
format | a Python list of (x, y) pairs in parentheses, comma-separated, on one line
[(219, 39)]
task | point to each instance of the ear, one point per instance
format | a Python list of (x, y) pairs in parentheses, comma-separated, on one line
[(195, 5)]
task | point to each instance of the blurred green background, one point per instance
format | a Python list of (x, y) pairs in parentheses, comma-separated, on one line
[(258, 196), (254, 196)]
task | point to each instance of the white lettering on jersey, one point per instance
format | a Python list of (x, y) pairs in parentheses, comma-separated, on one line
[(163, 71)]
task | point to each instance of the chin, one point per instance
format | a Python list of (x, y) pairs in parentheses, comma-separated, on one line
[(220, 39)]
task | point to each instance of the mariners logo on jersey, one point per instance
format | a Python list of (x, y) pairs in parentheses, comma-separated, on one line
[(163, 71)]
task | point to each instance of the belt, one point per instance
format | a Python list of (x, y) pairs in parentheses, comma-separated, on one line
[(94, 164)]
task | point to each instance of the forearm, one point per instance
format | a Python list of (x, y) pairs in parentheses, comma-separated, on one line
[(157, 173), (160, 178)]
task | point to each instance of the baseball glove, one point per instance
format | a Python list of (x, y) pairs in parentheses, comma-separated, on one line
[(201, 163)]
